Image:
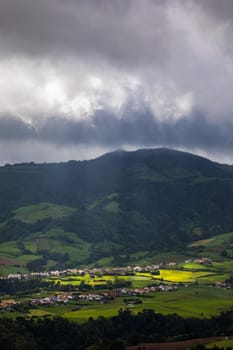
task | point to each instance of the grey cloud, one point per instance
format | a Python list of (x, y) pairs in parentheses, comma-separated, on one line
[(135, 127), (125, 32), (15, 129), (174, 48), (178, 43), (143, 129), (118, 30), (221, 10)]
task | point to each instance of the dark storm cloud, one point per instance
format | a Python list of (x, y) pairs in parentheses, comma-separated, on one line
[(13, 128), (74, 70), (143, 129), (107, 130)]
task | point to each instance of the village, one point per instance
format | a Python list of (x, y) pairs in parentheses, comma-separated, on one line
[(115, 271), (101, 297), (103, 294)]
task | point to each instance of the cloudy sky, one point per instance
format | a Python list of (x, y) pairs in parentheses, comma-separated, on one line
[(82, 77)]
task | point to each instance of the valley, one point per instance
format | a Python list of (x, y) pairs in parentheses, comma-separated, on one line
[(198, 287), (125, 236)]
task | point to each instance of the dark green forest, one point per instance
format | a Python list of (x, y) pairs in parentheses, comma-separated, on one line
[(108, 333)]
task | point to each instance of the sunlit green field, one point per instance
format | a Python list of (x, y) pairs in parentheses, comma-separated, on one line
[(144, 279), (87, 279), (191, 301), (215, 241), (187, 302)]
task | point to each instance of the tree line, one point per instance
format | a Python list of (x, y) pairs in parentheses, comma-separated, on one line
[(113, 333)]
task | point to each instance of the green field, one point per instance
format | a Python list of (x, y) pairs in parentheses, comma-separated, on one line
[(143, 279), (54, 241), (6, 270), (33, 213), (194, 296), (187, 302), (215, 241), (76, 280), (191, 301)]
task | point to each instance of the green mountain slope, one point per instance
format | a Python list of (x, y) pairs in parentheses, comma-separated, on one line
[(119, 203)]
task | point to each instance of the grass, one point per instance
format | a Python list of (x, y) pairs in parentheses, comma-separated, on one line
[(191, 301), (9, 250), (6, 270), (96, 310), (144, 258), (213, 248), (187, 301), (38, 313), (141, 279), (226, 266), (33, 213), (113, 207), (179, 276), (105, 261), (77, 280), (55, 240), (215, 241), (196, 266), (222, 344)]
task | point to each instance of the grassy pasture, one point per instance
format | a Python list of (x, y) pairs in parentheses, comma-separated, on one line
[(33, 213), (54, 241), (215, 241), (198, 301), (186, 301), (38, 313), (6, 270), (9, 250), (196, 266), (77, 249), (143, 258)]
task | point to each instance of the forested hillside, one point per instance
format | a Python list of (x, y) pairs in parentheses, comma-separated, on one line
[(121, 202)]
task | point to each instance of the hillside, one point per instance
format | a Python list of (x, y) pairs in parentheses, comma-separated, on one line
[(120, 203)]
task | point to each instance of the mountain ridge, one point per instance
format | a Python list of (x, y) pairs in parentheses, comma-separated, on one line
[(121, 202)]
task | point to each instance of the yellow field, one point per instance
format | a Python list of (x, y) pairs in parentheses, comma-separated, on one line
[(141, 279), (177, 276)]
